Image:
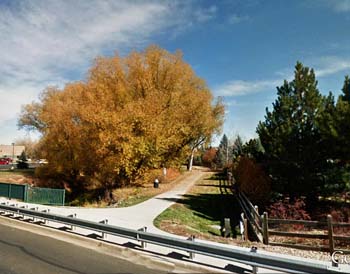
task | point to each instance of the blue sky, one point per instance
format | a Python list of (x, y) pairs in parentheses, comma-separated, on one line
[(243, 49)]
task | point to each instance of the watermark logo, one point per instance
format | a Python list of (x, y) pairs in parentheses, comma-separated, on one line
[(338, 257)]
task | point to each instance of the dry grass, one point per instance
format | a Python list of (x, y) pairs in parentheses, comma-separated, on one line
[(126, 196), (25, 176), (132, 195)]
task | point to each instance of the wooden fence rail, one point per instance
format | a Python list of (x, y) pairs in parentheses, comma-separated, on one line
[(326, 227), (251, 214), (265, 227)]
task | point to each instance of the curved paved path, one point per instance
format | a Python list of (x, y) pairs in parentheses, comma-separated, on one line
[(136, 216)]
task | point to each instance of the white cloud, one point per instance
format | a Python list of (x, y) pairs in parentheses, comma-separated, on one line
[(239, 87), (329, 65), (45, 42), (205, 14), (339, 5), (40, 38), (324, 66)]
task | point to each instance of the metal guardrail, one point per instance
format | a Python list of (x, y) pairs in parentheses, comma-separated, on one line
[(250, 258)]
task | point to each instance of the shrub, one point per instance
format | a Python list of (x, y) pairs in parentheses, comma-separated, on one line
[(285, 209), (208, 158), (252, 180)]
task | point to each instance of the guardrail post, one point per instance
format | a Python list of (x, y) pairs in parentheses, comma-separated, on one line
[(3, 211), (104, 235), (74, 215), (11, 213), (22, 214), (46, 211), (35, 209), (254, 249), (265, 228), (330, 233), (143, 229), (14, 214), (191, 254)]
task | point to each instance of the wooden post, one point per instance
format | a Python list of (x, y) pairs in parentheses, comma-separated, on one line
[(330, 233), (265, 229), (257, 219), (241, 226), (227, 227), (245, 224)]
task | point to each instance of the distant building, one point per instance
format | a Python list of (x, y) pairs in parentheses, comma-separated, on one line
[(10, 151)]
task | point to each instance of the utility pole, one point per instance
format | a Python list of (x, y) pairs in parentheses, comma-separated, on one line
[(13, 156)]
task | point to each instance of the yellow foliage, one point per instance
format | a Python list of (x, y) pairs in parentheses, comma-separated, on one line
[(131, 114)]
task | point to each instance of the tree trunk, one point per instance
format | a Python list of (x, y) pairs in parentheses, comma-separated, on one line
[(190, 161)]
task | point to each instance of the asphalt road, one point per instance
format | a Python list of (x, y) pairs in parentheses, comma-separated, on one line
[(4, 167), (25, 252)]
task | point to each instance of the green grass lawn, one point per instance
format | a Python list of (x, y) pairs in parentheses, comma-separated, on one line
[(202, 210)]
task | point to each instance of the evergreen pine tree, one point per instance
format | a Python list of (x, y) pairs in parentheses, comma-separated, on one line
[(291, 135), (237, 146), (342, 123), (22, 163), (224, 153)]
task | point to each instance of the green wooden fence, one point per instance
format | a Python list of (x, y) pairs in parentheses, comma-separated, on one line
[(36, 195)]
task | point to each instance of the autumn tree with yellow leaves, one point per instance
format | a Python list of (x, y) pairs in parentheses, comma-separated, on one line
[(144, 111)]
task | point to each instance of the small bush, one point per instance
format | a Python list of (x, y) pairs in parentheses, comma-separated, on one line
[(285, 209), (341, 215), (208, 158)]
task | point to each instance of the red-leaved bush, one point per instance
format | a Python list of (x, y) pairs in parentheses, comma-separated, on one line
[(284, 209)]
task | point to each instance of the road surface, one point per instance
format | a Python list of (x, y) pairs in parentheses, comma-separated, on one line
[(24, 252)]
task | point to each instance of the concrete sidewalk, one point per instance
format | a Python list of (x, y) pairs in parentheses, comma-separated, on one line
[(136, 216)]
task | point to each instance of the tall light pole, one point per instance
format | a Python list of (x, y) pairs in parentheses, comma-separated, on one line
[(13, 155)]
